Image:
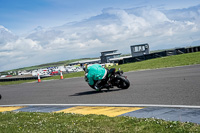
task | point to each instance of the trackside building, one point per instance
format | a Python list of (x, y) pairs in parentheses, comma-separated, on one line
[(107, 55)]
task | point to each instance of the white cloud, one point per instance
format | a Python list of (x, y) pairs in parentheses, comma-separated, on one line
[(113, 29), (22, 45), (147, 33)]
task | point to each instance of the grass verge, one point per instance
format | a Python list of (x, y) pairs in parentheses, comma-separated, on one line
[(169, 61), (60, 122), (16, 82)]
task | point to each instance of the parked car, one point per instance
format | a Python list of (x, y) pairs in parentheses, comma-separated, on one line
[(70, 69), (54, 73), (3, 76), (79, 69)]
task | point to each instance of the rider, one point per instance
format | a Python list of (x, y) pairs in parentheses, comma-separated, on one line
[(95, 75)]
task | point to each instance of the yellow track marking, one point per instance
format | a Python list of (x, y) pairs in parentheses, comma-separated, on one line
[(109, 111), (3, 109)]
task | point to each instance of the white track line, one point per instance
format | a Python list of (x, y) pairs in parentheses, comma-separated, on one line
[(108, 105)]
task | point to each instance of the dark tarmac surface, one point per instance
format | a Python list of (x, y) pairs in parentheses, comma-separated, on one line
[(168, 86)]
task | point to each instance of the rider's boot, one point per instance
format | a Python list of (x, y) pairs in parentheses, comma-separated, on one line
[(97, 88)]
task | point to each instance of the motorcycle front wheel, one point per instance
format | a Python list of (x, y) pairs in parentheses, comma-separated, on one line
[(123, 83)]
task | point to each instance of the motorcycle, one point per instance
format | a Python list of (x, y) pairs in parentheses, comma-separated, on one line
[(114, 78)]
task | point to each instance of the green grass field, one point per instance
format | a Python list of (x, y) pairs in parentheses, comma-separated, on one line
[(23, 122), (168, 61)]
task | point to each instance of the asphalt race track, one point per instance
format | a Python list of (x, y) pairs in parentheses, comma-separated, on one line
[(168, 86)]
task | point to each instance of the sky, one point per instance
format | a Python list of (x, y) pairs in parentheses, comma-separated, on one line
[(34, 32)]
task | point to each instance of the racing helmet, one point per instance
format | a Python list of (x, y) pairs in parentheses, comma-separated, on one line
[(85, 67)]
